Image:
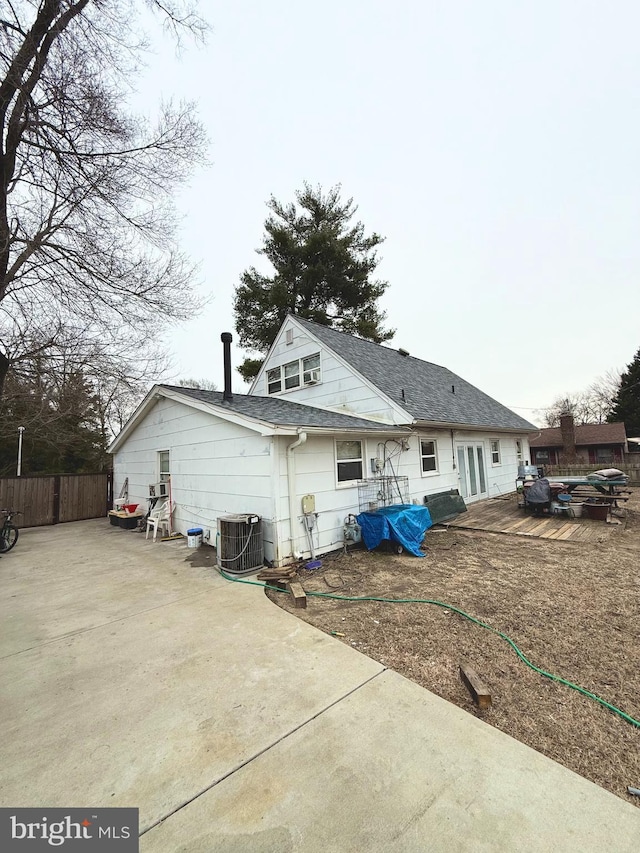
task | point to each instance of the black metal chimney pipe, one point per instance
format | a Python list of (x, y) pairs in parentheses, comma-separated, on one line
[(226, 338)]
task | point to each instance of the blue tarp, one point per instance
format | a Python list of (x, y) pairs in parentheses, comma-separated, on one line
[(405, 524)]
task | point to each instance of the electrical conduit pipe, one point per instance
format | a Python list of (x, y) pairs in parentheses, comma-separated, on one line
[(291, 478)]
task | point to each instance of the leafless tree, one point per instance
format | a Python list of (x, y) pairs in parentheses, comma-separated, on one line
[(88, 256), (200, 384), (591, 406)]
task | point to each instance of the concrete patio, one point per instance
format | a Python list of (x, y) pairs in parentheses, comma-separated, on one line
[(130, 677)]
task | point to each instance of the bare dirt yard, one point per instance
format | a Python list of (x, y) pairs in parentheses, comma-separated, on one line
[(572, 608)]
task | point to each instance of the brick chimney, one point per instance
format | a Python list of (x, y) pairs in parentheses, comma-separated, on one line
[(568, 431)]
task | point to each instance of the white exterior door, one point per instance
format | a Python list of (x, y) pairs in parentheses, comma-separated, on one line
[(472, 472)]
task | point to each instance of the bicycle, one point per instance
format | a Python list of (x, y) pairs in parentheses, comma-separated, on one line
[(8, 532)]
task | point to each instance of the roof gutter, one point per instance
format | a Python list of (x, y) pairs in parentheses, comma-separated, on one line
[(291, 482), (279, 429), (472, 427)]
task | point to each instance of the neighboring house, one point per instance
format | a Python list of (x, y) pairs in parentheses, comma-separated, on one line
[(593, 444), (326, 410)]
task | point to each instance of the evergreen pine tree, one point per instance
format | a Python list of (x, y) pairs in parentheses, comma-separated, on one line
[(323, 267), (626, 403)]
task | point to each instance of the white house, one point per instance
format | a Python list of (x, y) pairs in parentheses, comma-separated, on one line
[(326, 410)]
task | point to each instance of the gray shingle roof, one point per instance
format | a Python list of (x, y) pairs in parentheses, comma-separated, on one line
[(428, 394), (274, 410)]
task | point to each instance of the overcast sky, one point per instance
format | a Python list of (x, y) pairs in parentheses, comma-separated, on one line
[(494, 144)]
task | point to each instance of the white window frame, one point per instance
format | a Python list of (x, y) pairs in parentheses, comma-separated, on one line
[(344, 484), (295, 366), (272, 380), (164, 475), (497, 452), (304, 375), (306, 371), (424, 456), (519, 450)]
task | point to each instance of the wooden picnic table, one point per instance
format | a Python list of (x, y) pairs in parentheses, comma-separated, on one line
[(604, 487)]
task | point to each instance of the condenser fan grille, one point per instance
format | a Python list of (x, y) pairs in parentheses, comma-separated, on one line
[(240, 547)]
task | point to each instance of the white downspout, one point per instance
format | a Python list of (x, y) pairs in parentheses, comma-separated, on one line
[(291, 478)]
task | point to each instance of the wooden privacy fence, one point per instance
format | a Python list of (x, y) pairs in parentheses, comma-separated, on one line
[(632, 470), (49, 499)]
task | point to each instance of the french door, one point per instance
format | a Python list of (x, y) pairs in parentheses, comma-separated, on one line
[(472, 471)]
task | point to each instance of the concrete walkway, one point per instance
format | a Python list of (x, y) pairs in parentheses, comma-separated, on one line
[(131, 678)]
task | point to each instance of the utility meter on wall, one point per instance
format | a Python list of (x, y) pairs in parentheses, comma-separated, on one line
[(308, 504)]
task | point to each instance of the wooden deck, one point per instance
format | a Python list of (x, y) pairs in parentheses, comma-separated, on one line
[(502, 515)]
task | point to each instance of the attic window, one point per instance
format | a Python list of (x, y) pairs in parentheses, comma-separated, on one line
[(288, 336), (274, 383), (311, 369), (292, 374)]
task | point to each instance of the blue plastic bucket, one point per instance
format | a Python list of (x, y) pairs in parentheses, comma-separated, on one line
[(194, 537)]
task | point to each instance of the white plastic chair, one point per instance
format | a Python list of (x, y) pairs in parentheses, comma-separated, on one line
[(160, 518)]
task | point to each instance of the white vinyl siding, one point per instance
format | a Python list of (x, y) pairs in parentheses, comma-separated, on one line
[(217, 467), (341, 389)]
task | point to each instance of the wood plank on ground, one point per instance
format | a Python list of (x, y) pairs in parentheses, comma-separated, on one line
[(298, 593), (507, 517), (476, 686), (568, 533), (500, 508), (561, 529), (584, 533), (274, 574), (595, 534), (494, 512), (534, 530), (545, 527), (520, 523)]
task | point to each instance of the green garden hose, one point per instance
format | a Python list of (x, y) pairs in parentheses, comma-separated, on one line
[(521, 655)]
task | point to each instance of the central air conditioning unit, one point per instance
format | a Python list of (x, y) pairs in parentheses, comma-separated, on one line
[(240, 548), (312, 377)]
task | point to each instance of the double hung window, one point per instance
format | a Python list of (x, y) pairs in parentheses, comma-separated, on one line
[(428, 456), (348, 461)]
